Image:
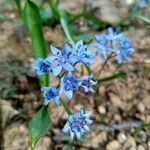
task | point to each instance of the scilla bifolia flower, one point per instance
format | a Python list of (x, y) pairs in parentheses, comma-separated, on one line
[(42, 66), (142, 3), (65, 60), (78, 124), (51, 94), (60, 60), (68, 84), (113, 43), (124, 50), (86, 82)]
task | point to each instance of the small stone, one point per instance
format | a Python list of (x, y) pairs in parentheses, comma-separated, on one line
[(121, 138), (141, 137), (100, 138), (102, 110), (113, 145), (140, 147), (130, 143), (141, 107), (44, 144), (117, 117)]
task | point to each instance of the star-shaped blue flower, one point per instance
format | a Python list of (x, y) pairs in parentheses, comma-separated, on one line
[(60, 60), (42, 66), (124, 49), (51, 94), (112, 36), (113, 42), (68, 84), (85, 83), (82, 54), (142, 3), (78, 124)]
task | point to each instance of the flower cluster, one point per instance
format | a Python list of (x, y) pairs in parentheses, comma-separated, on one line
[(113, 43), (62, 63)]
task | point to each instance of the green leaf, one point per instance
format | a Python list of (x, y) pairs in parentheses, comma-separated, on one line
[(39, 124), (54, 9), (87, 37), (94, 20), (119, 74), (64, 23), (143, 126), (33, 21), (144, 18)]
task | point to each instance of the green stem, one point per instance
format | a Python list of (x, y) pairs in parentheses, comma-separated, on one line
[(66, 29), (66, 107), (53, 6)]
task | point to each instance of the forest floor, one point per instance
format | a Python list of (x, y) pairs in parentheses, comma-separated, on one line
[(119, 110)]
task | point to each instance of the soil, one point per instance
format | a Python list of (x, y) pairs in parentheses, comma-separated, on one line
[(119, 108)]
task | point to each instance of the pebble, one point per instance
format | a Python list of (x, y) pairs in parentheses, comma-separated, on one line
[(130, 143), (113, 145), (141, 107), (100, 138), (102, 110), (140, 147), (121, 138), (117, 118), (141, 137)]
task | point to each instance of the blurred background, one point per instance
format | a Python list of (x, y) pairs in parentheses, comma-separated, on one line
[(121, 110)]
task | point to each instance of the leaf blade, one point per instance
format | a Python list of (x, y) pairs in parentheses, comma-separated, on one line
[(39, 124), (33, 21), (119, 74)]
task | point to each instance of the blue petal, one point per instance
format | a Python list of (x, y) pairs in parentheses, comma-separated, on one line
[(78, 46), (56, 70), (68, 94), (52, 59), (78, 135), (57, 100), (55, 51), (46, 101), (68, 66), (67, 48), (66, 127), (110, 32)]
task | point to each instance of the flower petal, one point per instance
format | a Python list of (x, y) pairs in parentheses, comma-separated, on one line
[(66, 127), (68, 94), (55, 51), (67, 66), (56, 70)]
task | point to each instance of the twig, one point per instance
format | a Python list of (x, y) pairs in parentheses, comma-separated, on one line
[(121, 126)]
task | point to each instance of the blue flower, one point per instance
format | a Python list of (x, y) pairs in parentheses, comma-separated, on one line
[(106, 43), (102, 39), (51, 94), (78, 124), (85, 83), (112, 36), (142, 3), (68, 84), (42, 66), (113, 42), (82, 54), (60, 60), (124, 49), (103, 51)]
